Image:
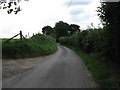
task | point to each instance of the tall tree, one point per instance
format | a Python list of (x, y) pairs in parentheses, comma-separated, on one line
[(110, 16), (47, 30), (61, 29), (73, 28)]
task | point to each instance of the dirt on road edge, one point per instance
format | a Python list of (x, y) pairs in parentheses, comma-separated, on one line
[(12, 67)]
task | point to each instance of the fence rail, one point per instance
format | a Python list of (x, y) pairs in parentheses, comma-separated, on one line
[(21, 37)]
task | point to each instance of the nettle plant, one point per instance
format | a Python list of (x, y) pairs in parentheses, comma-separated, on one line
[(11, 6)]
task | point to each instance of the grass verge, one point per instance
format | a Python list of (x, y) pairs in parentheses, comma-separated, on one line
[(38, 45), (103, 76)]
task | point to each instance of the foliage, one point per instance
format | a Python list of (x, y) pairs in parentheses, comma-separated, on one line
[(11, 41), (73, 28), (101, 73), (12, 6), (109, 14), (47, 30), (102, 43), (94, 47), (61, 29), (91, 40), (106, 41), (38, 45)]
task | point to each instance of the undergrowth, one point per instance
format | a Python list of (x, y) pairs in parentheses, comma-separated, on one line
[(103, 75), (38, 45)]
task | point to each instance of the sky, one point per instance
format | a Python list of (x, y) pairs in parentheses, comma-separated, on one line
[(36, 14)]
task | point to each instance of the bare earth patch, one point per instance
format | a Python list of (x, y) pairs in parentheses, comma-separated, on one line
[(11, 67)]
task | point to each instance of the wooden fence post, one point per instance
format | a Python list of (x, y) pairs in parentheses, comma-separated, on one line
[(21, 36), (28, 35)]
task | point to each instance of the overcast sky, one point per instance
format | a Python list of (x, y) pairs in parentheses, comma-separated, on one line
[(36, 14)]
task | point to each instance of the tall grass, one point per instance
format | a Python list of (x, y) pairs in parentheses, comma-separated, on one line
[(38, 45)]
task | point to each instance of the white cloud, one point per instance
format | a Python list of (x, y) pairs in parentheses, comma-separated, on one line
[(88, 16), (36, 14)]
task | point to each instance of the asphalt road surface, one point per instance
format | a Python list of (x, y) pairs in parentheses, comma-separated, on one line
[(64, 69)]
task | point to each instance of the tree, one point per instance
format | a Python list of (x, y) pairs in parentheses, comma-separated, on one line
[(73, 28), (61, 29), (12, 6), (47, 30), (110, 16)]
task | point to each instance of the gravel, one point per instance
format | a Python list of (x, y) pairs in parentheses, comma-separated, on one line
[(12, 67)]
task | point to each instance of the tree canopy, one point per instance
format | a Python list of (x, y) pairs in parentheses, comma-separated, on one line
[(47, 30), (12, 6), (61, 29), (73, 28), (110, 16)]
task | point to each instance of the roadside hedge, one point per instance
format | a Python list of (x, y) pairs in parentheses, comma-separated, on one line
[(37, 45)]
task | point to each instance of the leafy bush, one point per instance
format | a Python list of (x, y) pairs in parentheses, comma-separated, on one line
[(91, 40), (92, 46), (38, 45)]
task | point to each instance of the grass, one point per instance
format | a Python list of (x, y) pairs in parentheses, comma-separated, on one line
[(38, 45), (101, 72), (11, 41)]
